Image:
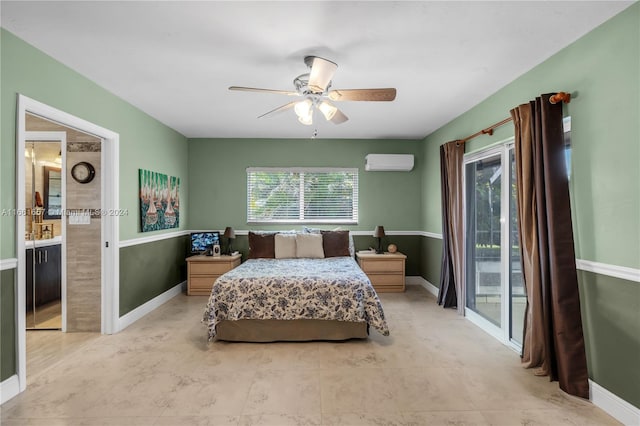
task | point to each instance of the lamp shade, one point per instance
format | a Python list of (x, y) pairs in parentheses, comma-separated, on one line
[(229, 232), (379, 232), (327, 109), (306, 120), (303, 108)]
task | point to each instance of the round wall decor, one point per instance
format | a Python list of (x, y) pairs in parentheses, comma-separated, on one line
[(83, 172)]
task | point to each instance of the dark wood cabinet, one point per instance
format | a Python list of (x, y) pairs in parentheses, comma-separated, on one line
[(45, 262)]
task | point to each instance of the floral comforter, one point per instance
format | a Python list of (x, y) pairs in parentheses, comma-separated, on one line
[(287, 289)]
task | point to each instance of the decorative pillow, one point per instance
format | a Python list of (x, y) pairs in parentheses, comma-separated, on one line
[(352, 245), (261, 246), (335, 243), (285, 246), (309, 245)]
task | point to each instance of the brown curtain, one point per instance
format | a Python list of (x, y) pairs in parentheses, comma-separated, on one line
[(451, 276), (553, 342)]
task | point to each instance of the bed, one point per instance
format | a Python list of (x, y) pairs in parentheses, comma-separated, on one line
[(294, 299)]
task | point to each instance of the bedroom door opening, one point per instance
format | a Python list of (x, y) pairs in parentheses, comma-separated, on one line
[(88, 234)]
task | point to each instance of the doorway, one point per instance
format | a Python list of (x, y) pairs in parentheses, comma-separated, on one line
[(106, 248), (495, 297), (43, 233)]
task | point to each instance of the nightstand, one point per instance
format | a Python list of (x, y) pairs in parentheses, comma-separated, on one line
[(386, 271), (203, 271)]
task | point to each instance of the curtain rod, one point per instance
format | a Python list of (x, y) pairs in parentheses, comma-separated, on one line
[(554, 99)]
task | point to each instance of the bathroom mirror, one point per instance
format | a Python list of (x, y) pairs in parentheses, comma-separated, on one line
[(52, 193)]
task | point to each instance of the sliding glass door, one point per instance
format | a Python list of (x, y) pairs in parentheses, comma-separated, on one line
[(483, 179), (495, 294), (494, 289)]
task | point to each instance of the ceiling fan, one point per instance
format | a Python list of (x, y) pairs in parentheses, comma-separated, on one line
[(313, 87)]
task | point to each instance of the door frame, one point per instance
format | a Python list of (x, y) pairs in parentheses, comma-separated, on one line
[(61, 137), (110, 264)]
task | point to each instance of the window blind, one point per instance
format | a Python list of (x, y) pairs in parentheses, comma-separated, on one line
[(302, 195)]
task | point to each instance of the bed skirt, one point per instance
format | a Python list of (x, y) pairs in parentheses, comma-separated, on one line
[(301, 330)]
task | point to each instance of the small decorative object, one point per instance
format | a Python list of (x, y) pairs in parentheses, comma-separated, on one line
[(216, 249), (38, 199), (230, 234), (83, 172), (46, 233), (379, 234), (36, 214), (392, 248)]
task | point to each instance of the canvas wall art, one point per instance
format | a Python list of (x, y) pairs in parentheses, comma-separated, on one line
[(159, 201)]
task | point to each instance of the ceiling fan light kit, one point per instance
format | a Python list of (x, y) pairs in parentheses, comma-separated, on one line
[(307, 120), (327, 109), (314, 88), (304, 111), (321, 73)]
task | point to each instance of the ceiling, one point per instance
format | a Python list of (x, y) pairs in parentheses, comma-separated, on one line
[(176, 60)]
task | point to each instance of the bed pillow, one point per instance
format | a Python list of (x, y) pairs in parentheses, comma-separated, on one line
[(261, 246), (335, 243), (352, 245), (309, 246), (285, 246)]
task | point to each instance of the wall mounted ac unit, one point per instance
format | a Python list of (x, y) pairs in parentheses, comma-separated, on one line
[(388, 162)]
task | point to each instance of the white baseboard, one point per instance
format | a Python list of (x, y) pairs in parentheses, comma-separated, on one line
[(615, 406), (9, 388), (418, 280), (142, 310)]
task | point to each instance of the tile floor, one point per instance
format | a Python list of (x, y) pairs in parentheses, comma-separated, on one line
[(436, 368)]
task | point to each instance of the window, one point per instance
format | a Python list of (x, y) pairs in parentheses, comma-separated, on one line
[(302, 195)]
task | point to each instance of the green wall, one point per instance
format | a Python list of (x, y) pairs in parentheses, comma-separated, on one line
[(431, 255), (611, 316), (7, 326), (602, 69), (148, 270), (218, 181)]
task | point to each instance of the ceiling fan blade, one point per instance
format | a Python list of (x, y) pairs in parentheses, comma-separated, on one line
[(388, 94), (279, 109), (322, 71), (255, 89), (339, 117)]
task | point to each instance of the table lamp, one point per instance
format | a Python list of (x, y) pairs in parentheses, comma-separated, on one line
[(230, 234), (379, 233)]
